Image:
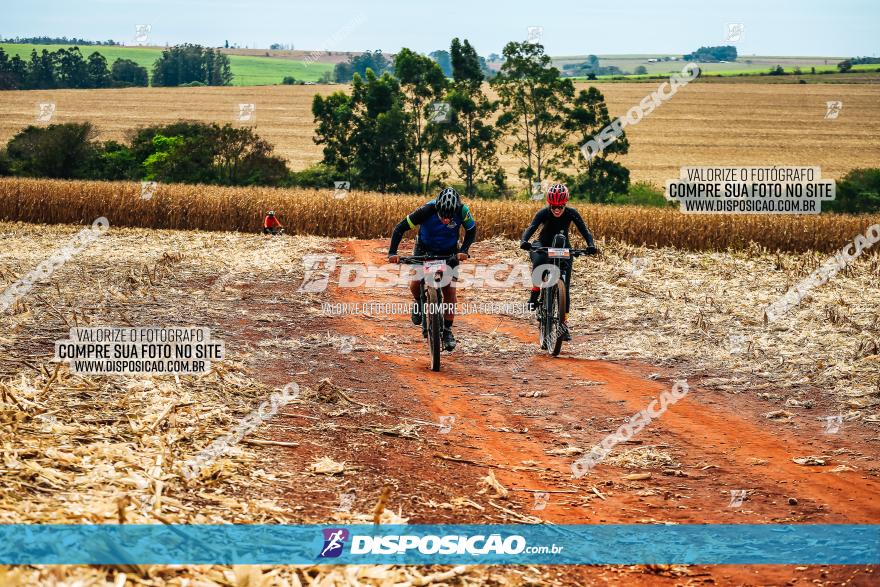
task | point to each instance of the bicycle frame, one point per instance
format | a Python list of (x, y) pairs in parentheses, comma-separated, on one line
[(551, 294), (558, 242), (431, 299)]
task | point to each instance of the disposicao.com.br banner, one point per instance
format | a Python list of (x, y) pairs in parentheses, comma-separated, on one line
[(440, 544)]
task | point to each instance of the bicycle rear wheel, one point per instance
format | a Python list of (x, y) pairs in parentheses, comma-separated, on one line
[(435, 326)]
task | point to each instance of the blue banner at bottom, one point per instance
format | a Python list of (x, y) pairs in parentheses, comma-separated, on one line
[(801, 544)]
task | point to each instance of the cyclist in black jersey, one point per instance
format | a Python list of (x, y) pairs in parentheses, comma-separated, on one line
[(440, 222), (552, 220)]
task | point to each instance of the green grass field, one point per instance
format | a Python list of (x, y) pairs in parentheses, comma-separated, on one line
[(711, 70), (246, 70), (745, 63)]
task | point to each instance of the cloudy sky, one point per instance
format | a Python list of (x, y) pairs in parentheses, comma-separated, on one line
[(783, 27)]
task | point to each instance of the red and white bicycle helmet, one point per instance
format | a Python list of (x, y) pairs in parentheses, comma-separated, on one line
[(557, 195)]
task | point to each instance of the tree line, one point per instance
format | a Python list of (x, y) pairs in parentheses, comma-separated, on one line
[(67, 68), (343, 73), (712, 54), (193, 65), (181, 152), (56, 41), (359, 64), (417, 129), (201, 153)]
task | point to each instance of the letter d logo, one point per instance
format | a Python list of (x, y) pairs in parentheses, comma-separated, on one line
[(590, 149)]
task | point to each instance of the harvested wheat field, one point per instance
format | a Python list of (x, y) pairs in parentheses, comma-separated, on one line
[(702, 124), (106, 450), (371, 215)]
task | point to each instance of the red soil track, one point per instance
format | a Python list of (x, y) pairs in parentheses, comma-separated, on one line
[(720, 441)]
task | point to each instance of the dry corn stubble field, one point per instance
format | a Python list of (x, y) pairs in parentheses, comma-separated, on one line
[(101, 450), (702, 124), (106, 450), (95, 450), (373, 215), (705, 310)]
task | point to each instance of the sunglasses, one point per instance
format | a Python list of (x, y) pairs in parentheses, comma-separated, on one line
[(557, 207)]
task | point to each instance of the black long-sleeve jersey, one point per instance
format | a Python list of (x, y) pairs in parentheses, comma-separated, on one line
[(551, 225)]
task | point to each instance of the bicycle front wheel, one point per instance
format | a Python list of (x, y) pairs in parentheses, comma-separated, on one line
[(554, 305), (435, 326)]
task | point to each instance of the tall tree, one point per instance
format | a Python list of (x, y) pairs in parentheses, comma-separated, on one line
[(13, 72), (465, 63), (72, 70), (534, 98), (474, 136), (126, 72), (41, 71), (602, 175), (382, 145), (241, 157), (334, 116), (188, 63), (218, 71), (97, 71), (436, 139), (422, 83)]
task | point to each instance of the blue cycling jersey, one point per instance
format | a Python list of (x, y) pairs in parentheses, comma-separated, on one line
[(436, 236)]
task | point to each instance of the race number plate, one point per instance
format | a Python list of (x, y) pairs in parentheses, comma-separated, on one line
[(434, 266), (563, 253)]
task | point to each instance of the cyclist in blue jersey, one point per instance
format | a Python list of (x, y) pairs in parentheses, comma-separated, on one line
[(439, 222)]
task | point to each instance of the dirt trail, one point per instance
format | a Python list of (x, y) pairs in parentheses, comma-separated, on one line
[(741, 449), (717, 442)]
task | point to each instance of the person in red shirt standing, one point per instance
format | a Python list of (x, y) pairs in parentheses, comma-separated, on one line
[(271, 224)]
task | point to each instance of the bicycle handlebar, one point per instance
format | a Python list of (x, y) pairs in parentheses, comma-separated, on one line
[(572, 252), (416, 259)]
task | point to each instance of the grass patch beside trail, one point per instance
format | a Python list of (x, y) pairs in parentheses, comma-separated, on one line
[(246, 70)]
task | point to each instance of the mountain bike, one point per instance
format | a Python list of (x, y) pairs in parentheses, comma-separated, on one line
[(430, 304), (552, 301)]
